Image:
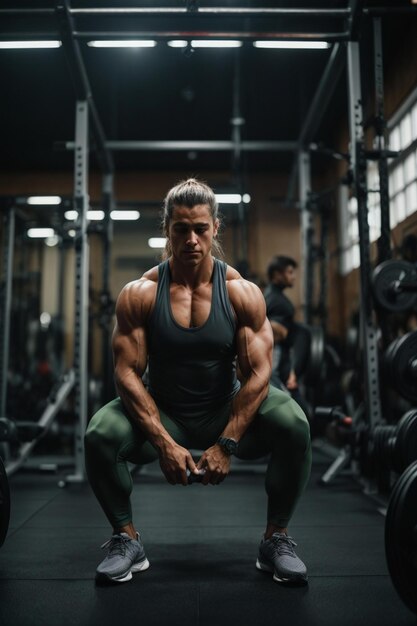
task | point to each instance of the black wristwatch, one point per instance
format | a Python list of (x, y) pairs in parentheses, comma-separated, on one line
[(228, 445)]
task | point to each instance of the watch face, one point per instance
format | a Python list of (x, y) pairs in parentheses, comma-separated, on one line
[(229, 445)]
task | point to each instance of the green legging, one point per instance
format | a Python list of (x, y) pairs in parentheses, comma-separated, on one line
[(280, 428)]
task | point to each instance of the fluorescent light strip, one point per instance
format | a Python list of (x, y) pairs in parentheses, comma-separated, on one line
[(95, 215), (123, 43), (40, 233), (42, 200), (206, 43), (232, 198), (157, 242), (21, 45), (72, 215), (297, 45), (125, 215)]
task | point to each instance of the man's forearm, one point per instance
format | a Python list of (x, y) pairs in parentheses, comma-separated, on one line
[(143, 411), (245, 406)]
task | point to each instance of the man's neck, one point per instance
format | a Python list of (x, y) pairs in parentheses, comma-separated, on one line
[(191, 276)]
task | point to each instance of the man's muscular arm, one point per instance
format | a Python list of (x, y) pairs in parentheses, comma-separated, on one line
[(254, 352), (130, 359)]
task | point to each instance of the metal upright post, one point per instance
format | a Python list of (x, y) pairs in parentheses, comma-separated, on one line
[(306, 230), (385, 241), (81, 200), (8, 250), (358, 162), (106, 301)]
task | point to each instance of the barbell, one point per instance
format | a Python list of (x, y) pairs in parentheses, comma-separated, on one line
[(394, 286)]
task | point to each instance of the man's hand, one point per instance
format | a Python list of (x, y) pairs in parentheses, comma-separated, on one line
[(291, 383), (174, 461), (216, 463)]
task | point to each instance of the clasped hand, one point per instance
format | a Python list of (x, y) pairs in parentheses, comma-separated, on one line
[(175, 461)]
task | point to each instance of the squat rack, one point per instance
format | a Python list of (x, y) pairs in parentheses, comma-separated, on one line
[(87, 119)]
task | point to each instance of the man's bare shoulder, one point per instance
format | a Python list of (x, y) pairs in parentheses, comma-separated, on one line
[(138, 296), (245, 297)]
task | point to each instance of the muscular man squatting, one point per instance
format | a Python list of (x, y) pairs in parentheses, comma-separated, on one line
[(189, 320)]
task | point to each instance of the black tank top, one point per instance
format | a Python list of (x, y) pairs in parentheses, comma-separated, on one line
[(192, 370)]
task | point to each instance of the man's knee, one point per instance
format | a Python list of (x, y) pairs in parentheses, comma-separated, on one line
[(106, 430), (290, 425)]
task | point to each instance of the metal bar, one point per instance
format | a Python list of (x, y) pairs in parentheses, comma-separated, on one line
[(354, 18), (45, 420), (306, 231), (216, 146), (210, 11), (80, 80), (384, 244), (317, 110), (175, 11), (375, 11), (8, 253), (323, 94), (372, 397), (181, 34), (81, 285), (108, 390), (205, 34)]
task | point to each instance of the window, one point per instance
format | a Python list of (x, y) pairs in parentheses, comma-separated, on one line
[(402, 134)]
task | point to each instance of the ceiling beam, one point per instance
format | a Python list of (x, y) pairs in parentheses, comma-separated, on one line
[(198, 146)]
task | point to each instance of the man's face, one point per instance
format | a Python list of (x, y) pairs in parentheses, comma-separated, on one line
[(191, 233), (286, 278)]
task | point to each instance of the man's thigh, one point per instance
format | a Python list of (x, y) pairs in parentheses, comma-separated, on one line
[(114, 429), (276, 417)]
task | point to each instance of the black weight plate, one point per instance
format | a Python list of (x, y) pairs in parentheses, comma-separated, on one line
[(384, 276), (402, 377), (4, 503), (401, 537), (316, 359), (406, 440)]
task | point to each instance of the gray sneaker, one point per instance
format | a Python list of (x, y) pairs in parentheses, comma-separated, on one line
[(124, 556), (276, 555)]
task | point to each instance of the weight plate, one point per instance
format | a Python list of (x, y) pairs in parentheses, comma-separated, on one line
[(383, 278), (4, 503), (301, 348), (406, 440), (398, 359), (401, 537), (315, 365)]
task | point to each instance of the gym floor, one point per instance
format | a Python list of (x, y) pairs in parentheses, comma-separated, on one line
[(202, 545)]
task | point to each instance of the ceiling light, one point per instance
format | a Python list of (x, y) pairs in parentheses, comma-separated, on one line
[(125, 215), (177, 43), (20, 45), (40, 233), (228, 198), (123, 43), (216, 43), (246, 198), (95, 215), (52, 241), (157, 242), (298, 45), (71, 215), (42, 200)]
